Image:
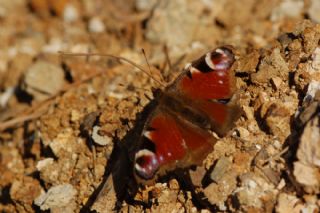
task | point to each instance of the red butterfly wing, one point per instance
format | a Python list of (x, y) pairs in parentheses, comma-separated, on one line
[(176, 133), (176, 143), (209, 77), (209, 83)]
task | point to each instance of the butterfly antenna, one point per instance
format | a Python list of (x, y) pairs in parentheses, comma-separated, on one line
[(145, 57), (115, 57), (166, 53)]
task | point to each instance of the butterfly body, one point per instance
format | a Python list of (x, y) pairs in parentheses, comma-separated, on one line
[(177, 133)]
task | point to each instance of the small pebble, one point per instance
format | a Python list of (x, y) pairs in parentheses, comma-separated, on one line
[(70, 13), (56, 197), (96, 25), (37, 83)]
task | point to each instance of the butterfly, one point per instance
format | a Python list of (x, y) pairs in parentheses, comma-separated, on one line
[(177, 133)]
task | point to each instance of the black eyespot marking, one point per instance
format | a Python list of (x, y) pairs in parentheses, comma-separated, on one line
[(147, 144), (201, 65)]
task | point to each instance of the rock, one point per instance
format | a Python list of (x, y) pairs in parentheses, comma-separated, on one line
[(165, 28), (295, 50), (271, 66), (311, 36), (5, 96), (218, 193), (167, 201), (60, 197), (315, 64), (44, 163), (221, 167), (277, 119), (197, 176), (307, 176), (96, 25), (248, 112), (310, 104), (11, 165), (233, 7), (75, 116), (288, 203), (242, 162), (70, 13), (313, 87), (287, 9), (53, 46), (248, 62), (242, 132), (276, 82), (145, 4), (24, 191), (313, 11), (306, 169), (253, 191), (65, 142), (43, 79)]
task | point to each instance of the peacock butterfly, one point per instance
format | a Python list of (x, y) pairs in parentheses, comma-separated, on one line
[(177, 132)]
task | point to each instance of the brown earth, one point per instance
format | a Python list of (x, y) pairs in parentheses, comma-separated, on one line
[(68, 124)]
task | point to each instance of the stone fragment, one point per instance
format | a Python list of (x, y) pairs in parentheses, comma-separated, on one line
[(70, 13), (165, 28), (307, 168), (44, 163), (43, 79), (313, 11), (145, 4), (277, 119), (24, 191), (288, 203), (60, 197), (11, 165), (271, 66), (276, 82), (253, 191), (5, 96), (307, 176), (315, 64), (197, 176), (249, 62), (218, 193), (96, 25), (220, 169), (311, 37), (287, 9)]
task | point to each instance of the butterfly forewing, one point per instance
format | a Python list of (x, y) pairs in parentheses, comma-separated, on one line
[(209, 83)]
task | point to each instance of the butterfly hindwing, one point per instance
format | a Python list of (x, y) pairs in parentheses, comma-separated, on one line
[(176, 143)]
